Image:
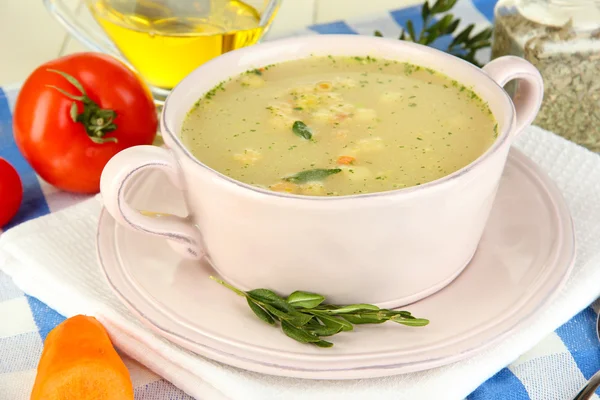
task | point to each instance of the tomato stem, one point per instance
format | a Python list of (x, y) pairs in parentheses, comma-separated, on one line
[(97, 121)]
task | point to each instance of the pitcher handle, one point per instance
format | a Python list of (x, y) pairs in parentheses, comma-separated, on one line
[(182, 234), (92, 39), (529, 95)]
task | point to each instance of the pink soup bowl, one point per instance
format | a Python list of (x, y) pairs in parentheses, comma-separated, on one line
[(387, 248)]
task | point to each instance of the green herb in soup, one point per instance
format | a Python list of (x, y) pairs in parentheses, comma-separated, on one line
[(300, 129), (312, 175), (332, 126)]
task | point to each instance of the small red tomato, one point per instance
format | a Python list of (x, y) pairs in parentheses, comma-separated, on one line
[(11, 192), (76, 112)]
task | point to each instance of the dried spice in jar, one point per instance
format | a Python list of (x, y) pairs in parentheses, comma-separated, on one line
[(561, 38)]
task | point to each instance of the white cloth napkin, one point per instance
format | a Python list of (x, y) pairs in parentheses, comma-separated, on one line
[(53, 258)]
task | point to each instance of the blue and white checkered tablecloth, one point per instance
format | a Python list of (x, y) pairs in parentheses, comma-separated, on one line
[(565, 358)]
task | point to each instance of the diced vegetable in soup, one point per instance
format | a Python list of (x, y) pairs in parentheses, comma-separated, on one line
[(332, 126)]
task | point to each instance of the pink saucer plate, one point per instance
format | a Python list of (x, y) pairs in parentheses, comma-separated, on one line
[(522, 261)]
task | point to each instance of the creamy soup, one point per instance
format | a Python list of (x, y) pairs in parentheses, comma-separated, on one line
[(331, 126)]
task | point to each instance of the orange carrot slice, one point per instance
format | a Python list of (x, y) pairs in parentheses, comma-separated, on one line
[(286, 187), (346, 160), (80, 363), (324, 86)]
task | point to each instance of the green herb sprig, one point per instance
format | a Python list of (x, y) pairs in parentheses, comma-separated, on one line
[(304, 318), (463, 46), (317, 174), (301, 129)]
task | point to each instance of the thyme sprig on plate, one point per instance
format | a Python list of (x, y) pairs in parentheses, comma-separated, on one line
[(464, 45), (304, 317)]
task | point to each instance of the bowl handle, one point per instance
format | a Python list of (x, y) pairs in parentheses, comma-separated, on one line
[(116, 177), (530, 92)]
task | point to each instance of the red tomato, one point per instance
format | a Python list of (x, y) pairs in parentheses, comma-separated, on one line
[(11, 192), (71, 155)]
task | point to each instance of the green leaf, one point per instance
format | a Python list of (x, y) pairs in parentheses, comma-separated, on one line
[(298, 334), (312, 175), (74, 111), (478, 46), (378, 34), (267, 296), (69, 95), (352, 308), (437, 6), (402, 35), (439, 28), (394, 313), (411, 30), (442, 6), (411, 321), (301, 319), (72, 80), (293, 317), (452, 27), (367, 318), (485, 34), (445, 23), (260, 313), (433, 28), (425, 11), (101, 140), (281, 315), (323, 330), (314, 323), (326, 307), (300, 129), (323, 343), (463, 36), (333, 322), (305, 299)]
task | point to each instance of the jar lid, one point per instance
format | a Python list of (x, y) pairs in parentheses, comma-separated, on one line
[(583, 14)]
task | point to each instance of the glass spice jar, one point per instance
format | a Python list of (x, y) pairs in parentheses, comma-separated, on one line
[(562, 39)]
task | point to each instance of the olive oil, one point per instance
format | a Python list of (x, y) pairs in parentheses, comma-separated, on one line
[(166, 39)]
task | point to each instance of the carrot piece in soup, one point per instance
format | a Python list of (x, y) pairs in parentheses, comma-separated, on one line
[(339, 117), (80, 363), (324, 86), (286, 187), (346, 160)]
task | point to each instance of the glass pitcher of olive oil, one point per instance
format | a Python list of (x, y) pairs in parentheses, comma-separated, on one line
[(164, 40)]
